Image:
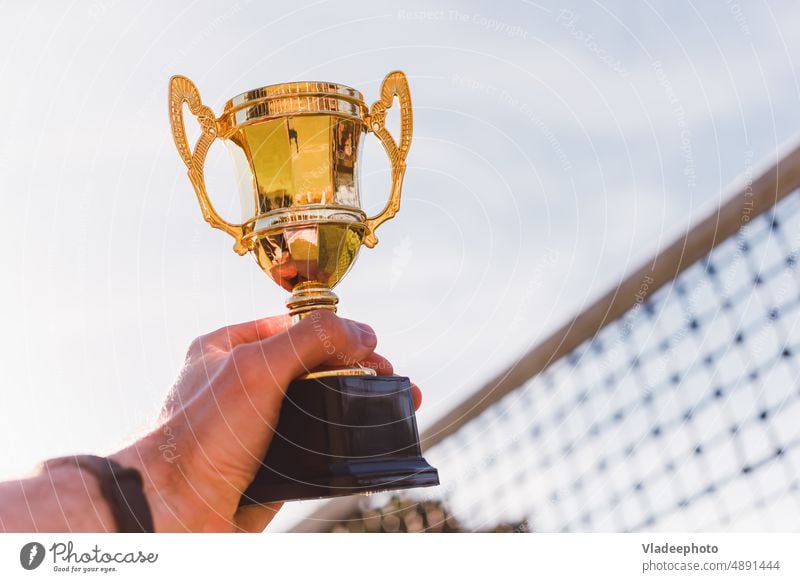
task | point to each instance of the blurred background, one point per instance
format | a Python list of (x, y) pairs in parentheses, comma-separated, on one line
[(556, 147)]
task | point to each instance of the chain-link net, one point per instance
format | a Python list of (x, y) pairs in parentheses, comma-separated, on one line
[(682, 415)]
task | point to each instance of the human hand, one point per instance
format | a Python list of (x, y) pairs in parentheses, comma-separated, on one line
[(218, 421)]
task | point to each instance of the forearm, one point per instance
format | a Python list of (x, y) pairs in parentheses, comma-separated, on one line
[(63, 497), (60, 498)]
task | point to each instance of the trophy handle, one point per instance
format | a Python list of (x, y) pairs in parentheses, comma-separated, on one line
[(182, 90), (395, 84)]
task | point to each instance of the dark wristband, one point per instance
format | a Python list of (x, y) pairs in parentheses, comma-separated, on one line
[(122, 488)]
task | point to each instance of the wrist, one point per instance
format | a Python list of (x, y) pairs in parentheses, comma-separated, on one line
[(157, 486), (164, 485)]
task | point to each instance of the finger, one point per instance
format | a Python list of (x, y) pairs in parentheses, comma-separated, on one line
[(416, 396), (319, 338), (381, 365), (384, 368), (228, 337), (255, 518), (252, 331)]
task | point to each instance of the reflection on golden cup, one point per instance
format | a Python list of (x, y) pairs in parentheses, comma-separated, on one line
[(296, 150)]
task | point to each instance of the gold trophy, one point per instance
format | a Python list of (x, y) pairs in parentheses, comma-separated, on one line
[(296, 151)]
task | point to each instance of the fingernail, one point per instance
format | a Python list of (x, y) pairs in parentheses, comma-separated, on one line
[(367, 335)]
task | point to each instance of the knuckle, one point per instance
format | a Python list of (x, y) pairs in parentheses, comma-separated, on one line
[(221, 337), (328, 329), (195, 347), (325, 318), (202, 344), (334, 326)]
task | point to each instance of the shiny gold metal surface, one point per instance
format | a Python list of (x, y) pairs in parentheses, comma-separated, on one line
[(338, 372), (296, 149)]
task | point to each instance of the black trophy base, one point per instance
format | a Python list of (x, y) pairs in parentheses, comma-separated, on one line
[(342, 435)]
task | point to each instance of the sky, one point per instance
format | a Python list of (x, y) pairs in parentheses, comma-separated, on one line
[(556, 147)]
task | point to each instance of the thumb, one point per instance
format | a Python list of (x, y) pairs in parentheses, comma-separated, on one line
[(318, 338)]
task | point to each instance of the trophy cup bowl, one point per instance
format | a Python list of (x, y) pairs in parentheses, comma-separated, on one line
[(296, 149)]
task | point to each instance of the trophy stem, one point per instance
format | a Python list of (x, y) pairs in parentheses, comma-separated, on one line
[(308, 297), (311, 296)]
